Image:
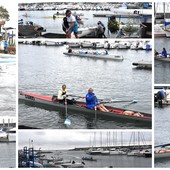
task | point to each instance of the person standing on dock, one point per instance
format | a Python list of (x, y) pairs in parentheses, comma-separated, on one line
[(103, 28), (161, 96), (92, 102), (164, 53), (100, 30), (73, 25)]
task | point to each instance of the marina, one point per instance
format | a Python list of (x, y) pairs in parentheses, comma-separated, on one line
[(50, 118), (40, 155), (134, 23)]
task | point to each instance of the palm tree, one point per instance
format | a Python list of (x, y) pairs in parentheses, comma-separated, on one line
[(4, 13)]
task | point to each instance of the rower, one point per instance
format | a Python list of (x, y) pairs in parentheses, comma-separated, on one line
[(70, 50), (106, 52), (92, 102), (62, 95), (162, 96), (164, 53)]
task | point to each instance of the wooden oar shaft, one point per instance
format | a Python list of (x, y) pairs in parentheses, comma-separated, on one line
[(76, 96), (119, 101)]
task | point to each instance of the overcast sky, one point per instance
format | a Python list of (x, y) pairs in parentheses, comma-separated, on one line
[(65, 139), (12, 8)]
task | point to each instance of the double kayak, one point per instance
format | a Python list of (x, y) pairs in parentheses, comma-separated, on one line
[(45, 102), (96, 56)]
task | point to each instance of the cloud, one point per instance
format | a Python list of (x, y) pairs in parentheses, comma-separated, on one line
[(64, 139)]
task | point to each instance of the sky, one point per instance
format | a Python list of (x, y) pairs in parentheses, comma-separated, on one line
[(12, 8), (66, 139)]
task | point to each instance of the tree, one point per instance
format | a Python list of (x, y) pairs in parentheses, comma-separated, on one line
[(4, 13)]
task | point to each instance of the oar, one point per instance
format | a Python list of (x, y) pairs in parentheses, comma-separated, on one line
[(120, 101), (168, 144), (132, 102), (95, 110), (77, 96), (67, 121)]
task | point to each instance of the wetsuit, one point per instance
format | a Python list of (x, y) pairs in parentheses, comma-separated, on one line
[(65, 25)]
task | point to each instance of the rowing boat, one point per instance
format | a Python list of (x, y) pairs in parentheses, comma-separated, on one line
[(7, 60), (45, 102), (96, 56), (143, 64), (162, 154), (162, 151), (160, 58)]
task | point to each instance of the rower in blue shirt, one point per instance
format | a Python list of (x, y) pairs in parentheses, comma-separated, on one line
[(106, 52), (92, 102), (164, 53)]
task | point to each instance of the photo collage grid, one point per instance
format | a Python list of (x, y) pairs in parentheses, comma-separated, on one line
[(84, 84)]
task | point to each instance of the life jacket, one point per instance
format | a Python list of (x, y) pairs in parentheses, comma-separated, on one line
[(63, 92)]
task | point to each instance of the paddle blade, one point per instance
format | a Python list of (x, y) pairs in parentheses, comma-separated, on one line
[(67, 122), (134, 101)]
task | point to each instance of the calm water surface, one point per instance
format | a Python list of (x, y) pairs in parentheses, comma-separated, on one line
[(44, 69), (7, 90), (106, 160), (8, 155), (162, 132)]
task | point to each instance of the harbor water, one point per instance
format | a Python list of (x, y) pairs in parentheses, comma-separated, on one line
[(8, 90), (115, 161), (162, 72), (162, 125), (8, 155), (43, 70)]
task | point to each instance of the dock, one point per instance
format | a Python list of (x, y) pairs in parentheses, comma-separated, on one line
[(143, 64), (7, 122)]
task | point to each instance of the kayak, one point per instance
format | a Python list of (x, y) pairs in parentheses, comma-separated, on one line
[(7, 60), (96, 56), (45, 102)]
